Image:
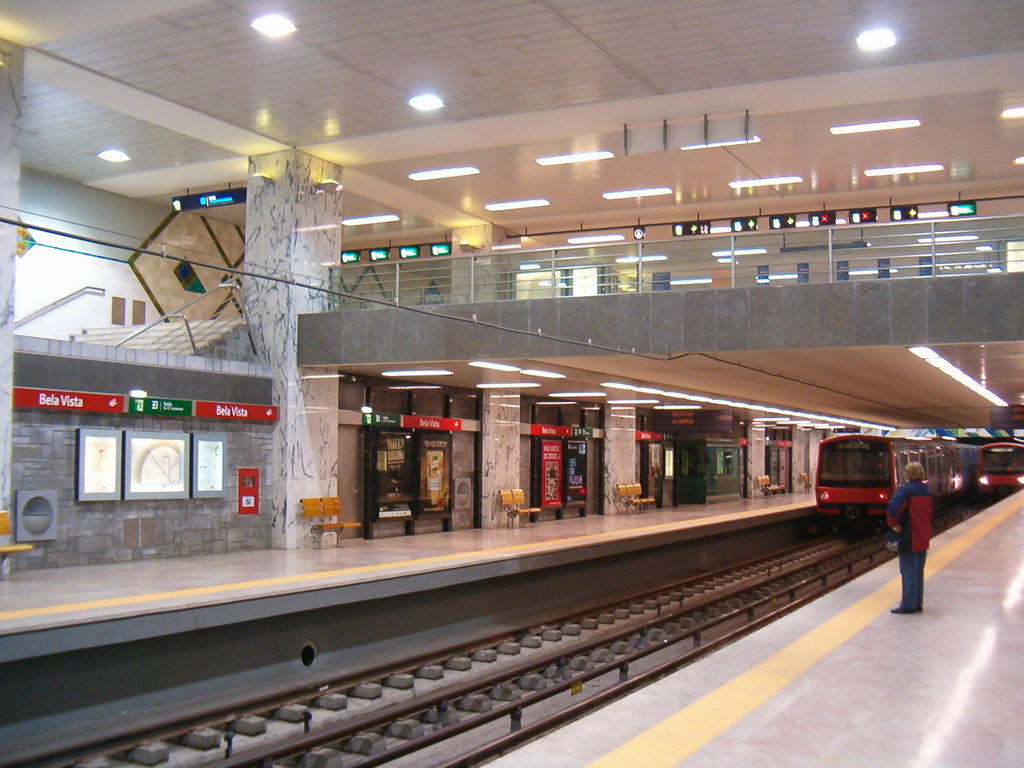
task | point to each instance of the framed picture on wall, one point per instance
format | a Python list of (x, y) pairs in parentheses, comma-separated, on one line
[(99, 465), (156, 465), (208, 465)]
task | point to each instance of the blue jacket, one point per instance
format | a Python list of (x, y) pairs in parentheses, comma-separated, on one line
[(911, 509)]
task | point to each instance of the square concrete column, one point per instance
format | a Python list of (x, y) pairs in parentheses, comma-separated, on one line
[(293, 229), (12, 58)]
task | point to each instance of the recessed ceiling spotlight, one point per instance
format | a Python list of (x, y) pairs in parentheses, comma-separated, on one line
[(359, 221), (512, 205), (898, 170), (769, 182), (443, 173), (885, 125), (273, 25), (575, 157), (876, 39), (590, 239), (113, 156), (1011, 112), (626, 194), (426, 102)]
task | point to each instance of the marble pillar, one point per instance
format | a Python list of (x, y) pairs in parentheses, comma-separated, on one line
[(464, 259), (292, 230), (12, 59), (619, 453), (499, 433), (756, 437)]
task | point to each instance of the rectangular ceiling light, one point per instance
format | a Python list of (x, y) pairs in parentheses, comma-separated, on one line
[(885, 125), (542, 373), (1011, 112), (575, 157), (589, 239), (359, 221), (508, 385), (494, 366), (418, 372), (690, 281), (444, 173), (579, 394), (729, 143), (512, 205), (626, 194), (677, 407), (769, 182), (898, 170)]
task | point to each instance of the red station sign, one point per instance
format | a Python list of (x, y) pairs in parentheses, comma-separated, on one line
[(205, 409), (548, 430), (431, 422), (644, 435), (56, 399)]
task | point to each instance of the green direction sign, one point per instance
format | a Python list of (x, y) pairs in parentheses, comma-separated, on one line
[(159, 406), (382, 420), (582, 431)]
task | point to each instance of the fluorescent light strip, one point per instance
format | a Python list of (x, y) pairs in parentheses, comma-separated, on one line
[(359, 221), (415, 386), (589, 239), (932, 214), (542, 374), (508, 385), (729, 143), (626, 194), (677, 407), (556, 402), (947, 239), (635, 259), (1012, 112), (885, 125), (899, 170), (506, 247), (494, 366), (631, 402), (690, 281), (529, 265), (720, 229), (862, 272), (579, 394), (769, 182), (444, 173), (418, 372), (932, 357), (740, 252), (512, 205), (575, 157)]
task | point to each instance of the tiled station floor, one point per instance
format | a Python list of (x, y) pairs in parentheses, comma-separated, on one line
[(36, 599), (843, 683)]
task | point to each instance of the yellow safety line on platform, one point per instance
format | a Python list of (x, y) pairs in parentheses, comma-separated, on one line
[(320, 576), (675, 738)]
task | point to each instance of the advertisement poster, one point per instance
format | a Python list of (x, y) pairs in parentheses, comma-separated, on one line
[(394, 478), (575, 471), (434, 462), (551, 473)]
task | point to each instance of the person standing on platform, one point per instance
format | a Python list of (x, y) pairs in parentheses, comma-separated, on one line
[(910, 514)]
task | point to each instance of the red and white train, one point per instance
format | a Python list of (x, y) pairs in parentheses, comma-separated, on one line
[(857, 475), (1001, 468)]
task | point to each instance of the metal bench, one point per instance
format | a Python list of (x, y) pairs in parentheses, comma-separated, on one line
[(513, 501), (629, 494), (325, 516)]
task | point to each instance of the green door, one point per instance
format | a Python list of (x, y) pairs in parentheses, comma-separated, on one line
[(691, 475)]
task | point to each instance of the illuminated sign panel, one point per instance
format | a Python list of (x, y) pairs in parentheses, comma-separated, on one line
[(441, 249), (409, 251), (209, 199), (688, 228), (782, 221), (863, 216), (962, 208), (349, 257), (903, 212), (822, 218), (745, 224), (379, 254)]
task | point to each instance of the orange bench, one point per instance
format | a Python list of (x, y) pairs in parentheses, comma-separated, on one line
[(6, 548), (325, 516), (513, 501), (629, 494)]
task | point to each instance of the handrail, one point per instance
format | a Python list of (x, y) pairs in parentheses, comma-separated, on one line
[(88, 290), (175, 313)]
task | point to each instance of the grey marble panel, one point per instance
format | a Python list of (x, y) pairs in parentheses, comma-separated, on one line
[(836, 315), (736, 315), (995, 309), (515, 315), (12, 59), (947, 310), (802, 325), (700, 327), (635, 323), (666, 322), (873, 310), (499, 452)]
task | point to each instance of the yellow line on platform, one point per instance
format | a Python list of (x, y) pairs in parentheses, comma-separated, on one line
[(322, 576), (675, 738)]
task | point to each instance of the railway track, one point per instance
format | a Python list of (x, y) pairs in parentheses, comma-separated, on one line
[(471, 704)]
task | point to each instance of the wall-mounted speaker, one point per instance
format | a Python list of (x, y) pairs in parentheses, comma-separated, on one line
[(36, 515)]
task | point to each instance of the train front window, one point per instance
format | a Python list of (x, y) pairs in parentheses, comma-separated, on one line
[(851, 463), (1002, 461)]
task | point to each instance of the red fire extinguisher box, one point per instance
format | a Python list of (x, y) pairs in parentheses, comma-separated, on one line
[(248, 491)]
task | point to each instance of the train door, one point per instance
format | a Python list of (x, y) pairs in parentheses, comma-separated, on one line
[(691, 472)]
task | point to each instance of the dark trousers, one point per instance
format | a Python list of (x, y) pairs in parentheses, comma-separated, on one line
[(912, 571)]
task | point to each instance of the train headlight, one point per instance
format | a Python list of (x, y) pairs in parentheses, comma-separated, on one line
[(883, 496), (983, 480), (1020, 479), (823, 496)]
